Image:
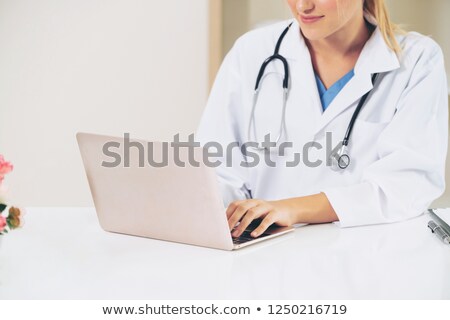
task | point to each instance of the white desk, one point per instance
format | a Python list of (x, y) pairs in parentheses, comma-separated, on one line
[(63, 254)]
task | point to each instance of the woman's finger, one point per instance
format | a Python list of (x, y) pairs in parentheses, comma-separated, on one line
[(266, 223), (233, 206), (251, 214), (239, 212)]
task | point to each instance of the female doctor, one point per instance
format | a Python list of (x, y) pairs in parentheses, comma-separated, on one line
[(339, 71)]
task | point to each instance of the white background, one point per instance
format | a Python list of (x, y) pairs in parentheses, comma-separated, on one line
[(103, 66)]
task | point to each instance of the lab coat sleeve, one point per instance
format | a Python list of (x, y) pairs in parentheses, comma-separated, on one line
[(410, 172), (220, 125)]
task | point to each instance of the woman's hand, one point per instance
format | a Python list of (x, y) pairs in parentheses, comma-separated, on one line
[(310, 209), (270, 212)]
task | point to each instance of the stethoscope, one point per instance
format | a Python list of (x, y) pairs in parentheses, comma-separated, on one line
[(340, 158)]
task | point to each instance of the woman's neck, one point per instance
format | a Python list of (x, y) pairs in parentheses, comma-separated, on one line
[(348, 41)]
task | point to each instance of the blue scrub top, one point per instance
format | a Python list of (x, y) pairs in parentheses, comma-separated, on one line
[(327, 96)]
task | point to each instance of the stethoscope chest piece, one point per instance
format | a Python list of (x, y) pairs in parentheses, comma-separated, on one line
[(340, 160)]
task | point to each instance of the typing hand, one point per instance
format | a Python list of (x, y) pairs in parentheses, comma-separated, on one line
[(247, 211)]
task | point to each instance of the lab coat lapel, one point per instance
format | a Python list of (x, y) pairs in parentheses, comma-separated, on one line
[(349, 96), (376, 57), (303, 83)]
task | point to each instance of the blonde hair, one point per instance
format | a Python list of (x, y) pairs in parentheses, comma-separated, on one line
[(378, 10)]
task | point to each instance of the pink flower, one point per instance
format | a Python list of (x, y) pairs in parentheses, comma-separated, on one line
[(2, 223), (5, 168)]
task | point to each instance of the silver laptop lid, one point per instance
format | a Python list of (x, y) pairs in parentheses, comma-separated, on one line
[(173, 203)]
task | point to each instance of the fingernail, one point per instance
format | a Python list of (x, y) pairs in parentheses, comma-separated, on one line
[(254, 234), (235, 234)]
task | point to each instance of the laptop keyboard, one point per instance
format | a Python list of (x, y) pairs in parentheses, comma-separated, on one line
[(245, 237)]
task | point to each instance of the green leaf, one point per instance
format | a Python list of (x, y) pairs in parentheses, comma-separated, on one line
[(2, 207)]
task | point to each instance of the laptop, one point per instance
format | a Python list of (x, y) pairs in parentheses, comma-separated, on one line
[(141, 189)]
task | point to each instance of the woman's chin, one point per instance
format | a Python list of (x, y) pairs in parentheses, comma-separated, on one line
[(312, 35)]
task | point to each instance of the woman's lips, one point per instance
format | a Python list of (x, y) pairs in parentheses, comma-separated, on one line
[(310, 19)]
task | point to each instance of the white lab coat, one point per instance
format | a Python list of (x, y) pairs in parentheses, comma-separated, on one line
[(398, 145)]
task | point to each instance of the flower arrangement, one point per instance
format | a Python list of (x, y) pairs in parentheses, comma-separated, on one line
[(10, 217)]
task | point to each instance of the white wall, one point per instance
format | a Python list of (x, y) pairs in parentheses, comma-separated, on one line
[(235, 22), (106, 66), (267, 11), (240, 16)]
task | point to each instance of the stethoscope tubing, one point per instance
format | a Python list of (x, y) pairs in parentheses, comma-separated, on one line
[(358, 109), (277, 56)]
